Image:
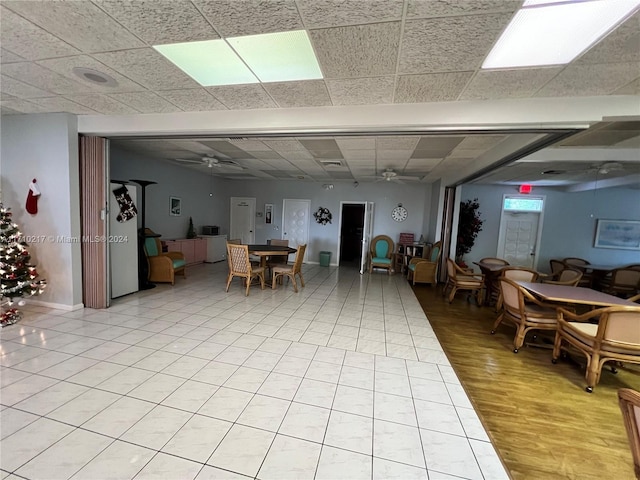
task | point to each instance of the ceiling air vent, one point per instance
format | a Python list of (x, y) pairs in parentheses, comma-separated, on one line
[(331, 163), (553, 172)]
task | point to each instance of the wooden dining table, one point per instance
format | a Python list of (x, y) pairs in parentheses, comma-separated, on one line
[(578, 295), (492, 272), (265, 251)]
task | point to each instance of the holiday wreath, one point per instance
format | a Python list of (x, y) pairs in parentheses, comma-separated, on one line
[(323, 215)]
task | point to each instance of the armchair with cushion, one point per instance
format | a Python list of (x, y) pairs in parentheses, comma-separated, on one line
[(522, 274), (425, 270), (380, 253), (163, 266), (623, 282), (459, 279), (524, 310), (616, 337), (568, 276), (629, 401)]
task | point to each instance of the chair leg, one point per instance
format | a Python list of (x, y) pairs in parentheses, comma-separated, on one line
[(229, 278), (454, 289), (497, 323), (556, 348), (273, 281), (518, 341), (295, 284), (593, 371), (479, 297), (301, 279), (261, 275)]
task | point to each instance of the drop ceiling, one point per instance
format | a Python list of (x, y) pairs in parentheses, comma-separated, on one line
[(373, 52)]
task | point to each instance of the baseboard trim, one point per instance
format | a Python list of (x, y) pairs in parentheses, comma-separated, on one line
[(57, 306)]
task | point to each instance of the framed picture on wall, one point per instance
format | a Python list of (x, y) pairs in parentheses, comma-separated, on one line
[(268, 213), (619, 234), (175, 206)]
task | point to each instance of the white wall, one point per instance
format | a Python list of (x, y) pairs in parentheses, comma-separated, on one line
[(386, 195), (173, 181), (46, 147), (569, 222)]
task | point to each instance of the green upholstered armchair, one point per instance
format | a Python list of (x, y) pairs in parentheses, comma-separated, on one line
[(163, 266), (425, 270), (380, 253)]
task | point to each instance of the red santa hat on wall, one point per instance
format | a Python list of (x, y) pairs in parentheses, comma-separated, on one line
[(32, 198)]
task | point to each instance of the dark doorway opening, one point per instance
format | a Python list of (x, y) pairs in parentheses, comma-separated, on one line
[(351, 234)]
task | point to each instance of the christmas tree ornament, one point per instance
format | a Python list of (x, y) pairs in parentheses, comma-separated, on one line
[(32, 198)]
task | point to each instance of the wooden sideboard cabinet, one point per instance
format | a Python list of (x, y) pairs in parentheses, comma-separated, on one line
[(193, 249)]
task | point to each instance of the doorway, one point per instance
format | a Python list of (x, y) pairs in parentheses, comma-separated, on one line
[(351, 231), (520, 230), (242, 223)]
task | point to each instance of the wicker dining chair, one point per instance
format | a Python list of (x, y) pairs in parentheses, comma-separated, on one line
[(240, 266), (290, 270), (459, 279)]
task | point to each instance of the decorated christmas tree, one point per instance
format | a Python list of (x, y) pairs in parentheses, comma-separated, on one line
[(17, 275)]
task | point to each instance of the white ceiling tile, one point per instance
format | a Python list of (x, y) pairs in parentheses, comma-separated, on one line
[(621, 45), (450, 43), (266, 155), (192, 100), (361, 91), (191, 146), (20, 89), (81, 24), (160, 22), (8, 111), (102, 104), (6, 96), (8, 57), (400, 142), (65, 65), (241, 97), (393, 154), (27, 40), (43, 78), (332, 13), (61, 104), (285, 145), (480, 142), (148, 68), (23, 106), (631, 88), (309, 93), (359, 51), (233, 18), (422, 163), (249, 145), (521, 83), (146, 102), (441, 8), (352, 155), (581, 80), (297, 156), (356, 143), (434, 87)]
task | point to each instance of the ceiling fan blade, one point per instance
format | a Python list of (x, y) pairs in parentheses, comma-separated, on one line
[(194, 161)]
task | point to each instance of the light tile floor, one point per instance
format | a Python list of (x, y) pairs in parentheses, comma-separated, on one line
[(343, 380)]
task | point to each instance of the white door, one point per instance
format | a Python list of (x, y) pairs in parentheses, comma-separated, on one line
[(518, 238), (123, 251), (295, 222), (366, 235), (242, 223)]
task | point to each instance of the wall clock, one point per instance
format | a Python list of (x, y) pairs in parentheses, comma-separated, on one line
[(399, 214)]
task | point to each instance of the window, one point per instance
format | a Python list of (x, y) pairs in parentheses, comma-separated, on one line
[(522, 204)]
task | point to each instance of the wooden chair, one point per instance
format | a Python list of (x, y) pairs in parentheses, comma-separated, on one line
[(582, 265), (163, 266), (290, 270), (425, 270), (380, 253), (616, 337), (516, 273), (568, 276), (623, 282), (524, 310), (629, 401), (459, 279), (556, 265), (491, 278), (278, 260), (240, 266)]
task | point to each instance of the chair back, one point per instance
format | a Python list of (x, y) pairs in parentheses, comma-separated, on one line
[(569, 276), (511, 296), (434, 253), (152, 247), (625, 277), (277, 241), (238, 258), (629, 401), (621, 326), (297, 264), (451, 268), (520, 273), (581, 263), (381, 247), (557, 265), (494, 261)]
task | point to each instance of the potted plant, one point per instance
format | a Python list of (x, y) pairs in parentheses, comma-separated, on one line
[(469, 225)]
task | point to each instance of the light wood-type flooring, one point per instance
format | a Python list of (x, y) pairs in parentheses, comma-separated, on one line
[(538, 415)]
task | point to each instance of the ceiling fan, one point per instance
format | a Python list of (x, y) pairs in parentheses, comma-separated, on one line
[(390, 175), (210, 161)]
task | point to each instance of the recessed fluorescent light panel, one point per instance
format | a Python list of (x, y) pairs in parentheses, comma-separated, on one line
[(272, 57), (278, 57), (553, 32)]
